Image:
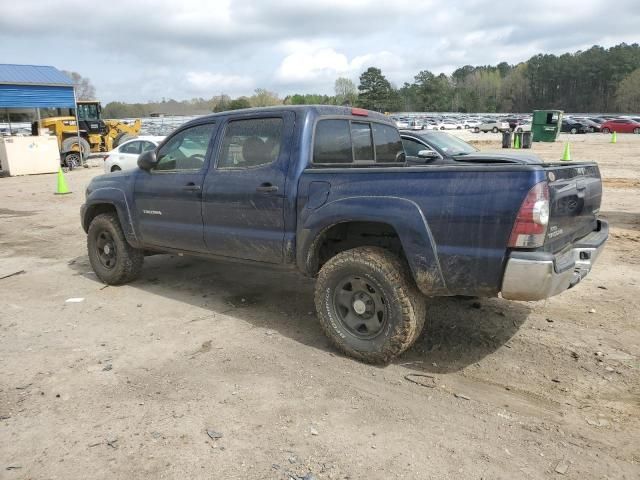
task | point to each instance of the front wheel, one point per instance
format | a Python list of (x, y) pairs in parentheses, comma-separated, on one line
[(574, 131), (368, 304), (115, 168), (494, 129), (112, 258), (476, 130), (606, 130), (636, 130)]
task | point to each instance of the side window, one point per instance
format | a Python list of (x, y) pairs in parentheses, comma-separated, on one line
[(332, 142), (361, 139), (388, 144), (146, 146), (131, 147), (412, 147), (186, 150), (251, 143)]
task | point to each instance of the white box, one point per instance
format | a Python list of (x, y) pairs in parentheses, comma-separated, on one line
[(29, 155)]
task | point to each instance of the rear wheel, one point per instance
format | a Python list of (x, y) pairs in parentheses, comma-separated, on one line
[(573, 131), (606, 130), (112, 258), (636, 130), (494, 129), (115, 168), (476, 130), (368, 304)]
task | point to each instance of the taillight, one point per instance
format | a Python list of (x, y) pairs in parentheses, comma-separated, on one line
[(530, 227)]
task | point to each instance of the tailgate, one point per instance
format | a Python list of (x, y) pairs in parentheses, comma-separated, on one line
[(575, 192)]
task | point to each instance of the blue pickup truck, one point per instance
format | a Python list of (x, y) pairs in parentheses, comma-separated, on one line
[(330, 192)]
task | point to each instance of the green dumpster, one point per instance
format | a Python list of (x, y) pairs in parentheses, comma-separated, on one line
[(546, 125)]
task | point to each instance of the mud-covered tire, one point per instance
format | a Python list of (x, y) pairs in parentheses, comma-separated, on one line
[(125, 263), (386, 275)]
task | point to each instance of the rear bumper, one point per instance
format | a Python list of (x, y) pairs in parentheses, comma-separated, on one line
[(539, 275)]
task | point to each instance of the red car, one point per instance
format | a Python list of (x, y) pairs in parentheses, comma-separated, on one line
[(621, 125)]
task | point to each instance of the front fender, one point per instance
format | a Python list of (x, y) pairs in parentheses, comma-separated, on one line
[(404, 215), (117, 198)]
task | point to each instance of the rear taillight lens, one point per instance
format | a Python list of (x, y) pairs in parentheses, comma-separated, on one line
[(530, 228)]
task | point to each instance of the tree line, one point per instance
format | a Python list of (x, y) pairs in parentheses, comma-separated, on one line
[(595, 80)]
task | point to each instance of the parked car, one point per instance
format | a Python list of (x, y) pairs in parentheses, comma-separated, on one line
[(449, 125), (470, 123), (593, 126), (125, 156), (327, 191), (444, 148), (621, 125), (494, 126), (573, 127), (523, 127)]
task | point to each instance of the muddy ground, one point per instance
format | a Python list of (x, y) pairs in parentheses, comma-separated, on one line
[(127, 382)]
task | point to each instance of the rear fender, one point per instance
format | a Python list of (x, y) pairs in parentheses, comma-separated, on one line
[(404, 215)]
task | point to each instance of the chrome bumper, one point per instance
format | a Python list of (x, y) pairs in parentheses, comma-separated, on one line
[(539, 275)]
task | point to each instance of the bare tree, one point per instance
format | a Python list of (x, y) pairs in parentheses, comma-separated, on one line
[(346, 91), (84, 88)]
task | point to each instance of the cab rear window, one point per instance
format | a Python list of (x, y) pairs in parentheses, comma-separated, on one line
[(358, 143)]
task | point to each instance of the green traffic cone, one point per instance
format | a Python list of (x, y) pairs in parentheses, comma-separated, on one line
[(566, 155), (517, 142), (62, 184), (614, 138)]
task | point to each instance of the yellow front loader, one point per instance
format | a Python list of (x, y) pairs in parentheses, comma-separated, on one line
[(96, 135)]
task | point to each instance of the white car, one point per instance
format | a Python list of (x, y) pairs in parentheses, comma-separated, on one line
[(125, 156), (449, 125), (494, 126)]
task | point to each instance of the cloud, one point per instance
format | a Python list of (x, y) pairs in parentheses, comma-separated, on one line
[(136, 51), (213, 83)]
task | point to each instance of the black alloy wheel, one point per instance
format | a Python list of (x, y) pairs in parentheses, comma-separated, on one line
[(360, 306), (106, 249)]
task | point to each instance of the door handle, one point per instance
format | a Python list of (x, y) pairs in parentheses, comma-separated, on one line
[(191, 187), (267, 188)]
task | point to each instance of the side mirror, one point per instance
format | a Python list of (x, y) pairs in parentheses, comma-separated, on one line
[(147, 160), (428, 154)]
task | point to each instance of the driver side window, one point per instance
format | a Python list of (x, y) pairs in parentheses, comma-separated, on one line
[(186, 150)]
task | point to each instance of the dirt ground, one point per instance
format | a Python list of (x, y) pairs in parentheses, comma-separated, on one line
[(127, 382)]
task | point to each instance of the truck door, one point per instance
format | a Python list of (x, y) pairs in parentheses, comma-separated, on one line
[(244, 195), (168, 198)]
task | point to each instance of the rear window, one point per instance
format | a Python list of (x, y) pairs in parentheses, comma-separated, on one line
[(340, 141), (388, 144), (332, 142)]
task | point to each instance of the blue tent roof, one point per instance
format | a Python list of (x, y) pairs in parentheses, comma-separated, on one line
[(32, 75)]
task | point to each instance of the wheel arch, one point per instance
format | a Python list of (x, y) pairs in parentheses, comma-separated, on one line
[(110, 200), (399, 226)]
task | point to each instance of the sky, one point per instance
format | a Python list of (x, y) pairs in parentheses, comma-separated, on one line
[(140, 50)]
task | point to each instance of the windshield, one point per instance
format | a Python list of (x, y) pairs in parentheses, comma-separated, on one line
[(450, 144), (87, 111)]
